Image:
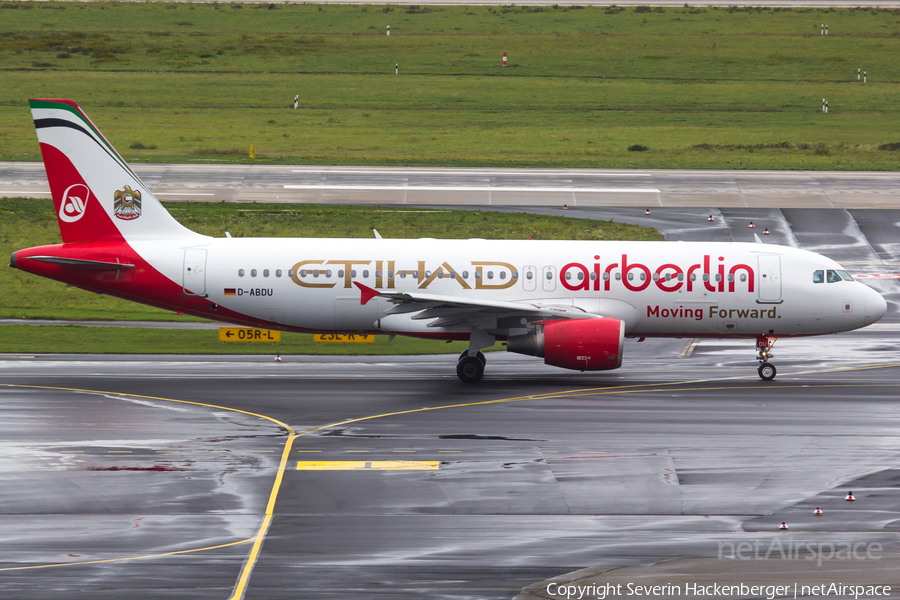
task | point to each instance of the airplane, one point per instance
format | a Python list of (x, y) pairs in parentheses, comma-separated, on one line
[(571, 303)]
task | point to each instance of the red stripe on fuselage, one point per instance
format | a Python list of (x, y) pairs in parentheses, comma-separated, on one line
[(142, 283)]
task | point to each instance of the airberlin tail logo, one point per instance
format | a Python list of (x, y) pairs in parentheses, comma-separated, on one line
[(74, 203)]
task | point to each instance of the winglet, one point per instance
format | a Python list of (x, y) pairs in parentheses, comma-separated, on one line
[(367, 293), (756, 237)]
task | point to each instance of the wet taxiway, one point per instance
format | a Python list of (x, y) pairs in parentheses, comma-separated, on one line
[(152, 477), (491, 187)]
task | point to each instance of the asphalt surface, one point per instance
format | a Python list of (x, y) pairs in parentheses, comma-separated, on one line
[(667, 458), (495, 187)]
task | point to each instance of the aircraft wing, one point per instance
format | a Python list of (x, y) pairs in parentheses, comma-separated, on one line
[(452, 310)]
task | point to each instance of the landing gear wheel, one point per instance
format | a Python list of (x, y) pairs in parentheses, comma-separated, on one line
[(470, 369), (481, 356), (767, 372)]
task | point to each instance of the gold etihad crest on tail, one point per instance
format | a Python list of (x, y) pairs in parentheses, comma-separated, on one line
[(127, 204)]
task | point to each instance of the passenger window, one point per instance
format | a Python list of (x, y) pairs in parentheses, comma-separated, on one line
[(529, 275), (731, 277), (277, 272), (831, 276), (440, 274), (478, 275), (452, 274), (743, 277), (416, 274), (302, 272), (643, 276), (630, 276), (606, 277), (681, 277), (619, 276), (328, 273), (718, 277), (240, 272), (402, 274), (656, 277), (502, 274), (549, 275), (366, 274), (818, 276), (693, 277), (377, 272), (706, 277), (353, 273), (490, 274), (252, 272), (568, 276), (515, 274), (845, 275), (265, 272), (340, 272), (291, 273), (465, 274)]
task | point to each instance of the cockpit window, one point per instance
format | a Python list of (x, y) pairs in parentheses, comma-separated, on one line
[(819, 276), (845, 275), (831, 276)]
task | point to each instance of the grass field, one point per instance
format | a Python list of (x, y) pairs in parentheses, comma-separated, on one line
[(74, 339), (27, 223), (722, 88)]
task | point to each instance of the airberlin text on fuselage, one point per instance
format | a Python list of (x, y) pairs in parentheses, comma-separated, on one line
[(706, 274)]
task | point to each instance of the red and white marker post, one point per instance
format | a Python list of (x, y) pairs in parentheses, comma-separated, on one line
[(504, 59)]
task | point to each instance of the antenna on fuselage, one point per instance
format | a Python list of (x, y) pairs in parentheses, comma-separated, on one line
[(377, 235), (756, 237)]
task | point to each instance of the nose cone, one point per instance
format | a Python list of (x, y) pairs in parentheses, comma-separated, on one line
[(876, 306)]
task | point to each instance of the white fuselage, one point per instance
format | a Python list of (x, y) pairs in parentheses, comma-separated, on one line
[(656, 288)]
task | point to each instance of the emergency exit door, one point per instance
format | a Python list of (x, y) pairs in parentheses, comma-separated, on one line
[(769, 280), (194, 283)]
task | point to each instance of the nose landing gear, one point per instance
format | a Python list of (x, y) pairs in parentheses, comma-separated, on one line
[(766, 370)]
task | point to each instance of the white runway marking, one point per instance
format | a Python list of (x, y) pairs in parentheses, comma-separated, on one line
[(451, 171), (465, 188), (180, 194)]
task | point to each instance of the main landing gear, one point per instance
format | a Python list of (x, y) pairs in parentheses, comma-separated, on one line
[(470, 368), (766, 370)]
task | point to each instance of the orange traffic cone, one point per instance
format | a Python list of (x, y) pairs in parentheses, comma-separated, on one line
[(783, 526), (850, 497), (818, 512), (710, 218), (647, 212), (277, 358), (565, 207), (766, 231), (751, 224)]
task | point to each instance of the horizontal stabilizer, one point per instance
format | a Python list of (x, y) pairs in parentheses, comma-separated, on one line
[(84, 265)]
